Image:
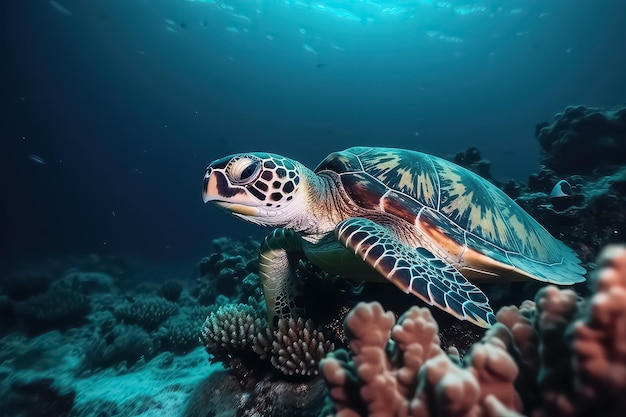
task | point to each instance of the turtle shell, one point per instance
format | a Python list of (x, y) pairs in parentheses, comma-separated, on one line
[(483, 230)]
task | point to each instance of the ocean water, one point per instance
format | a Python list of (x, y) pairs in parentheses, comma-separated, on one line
[(113, 109), (129, 101)]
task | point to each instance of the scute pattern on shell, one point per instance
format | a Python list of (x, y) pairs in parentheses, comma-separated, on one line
[(460, 205)]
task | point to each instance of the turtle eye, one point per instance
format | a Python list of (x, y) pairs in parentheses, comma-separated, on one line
[(245, 170)]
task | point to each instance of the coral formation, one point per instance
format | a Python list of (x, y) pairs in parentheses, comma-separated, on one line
[(61, 306), (125, 344), (145, 311), (471, 159), (230, 271), (560, 355), (582, 139), (171, 291), (400, 369), (229, 330), (295, 347)]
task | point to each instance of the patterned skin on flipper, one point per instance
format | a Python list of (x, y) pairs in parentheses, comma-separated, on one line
[(416, 271)]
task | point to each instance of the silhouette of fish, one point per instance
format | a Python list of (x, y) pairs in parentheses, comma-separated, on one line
[(36, 158)]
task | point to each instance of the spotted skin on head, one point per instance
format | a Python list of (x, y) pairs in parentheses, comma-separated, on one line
[(268, 180)]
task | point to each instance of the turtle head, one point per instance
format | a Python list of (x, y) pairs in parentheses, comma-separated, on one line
[(259, 187)]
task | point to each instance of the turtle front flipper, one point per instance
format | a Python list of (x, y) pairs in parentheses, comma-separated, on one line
[(416, 270), (279, 255)]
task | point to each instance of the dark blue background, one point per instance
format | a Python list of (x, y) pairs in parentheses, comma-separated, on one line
[(127, 113)]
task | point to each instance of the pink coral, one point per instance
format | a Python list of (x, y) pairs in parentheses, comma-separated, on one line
[(600, 338), (402, 371), (560, 356)]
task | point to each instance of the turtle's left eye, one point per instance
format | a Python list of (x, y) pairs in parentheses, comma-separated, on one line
[(245, 170)]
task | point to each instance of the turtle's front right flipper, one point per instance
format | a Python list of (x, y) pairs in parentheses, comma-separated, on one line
[(280, 252), (416, 271)]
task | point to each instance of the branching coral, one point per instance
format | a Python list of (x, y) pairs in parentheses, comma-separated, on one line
[(560, 355), (147, 312), (59, 307), (401, 370), (295, 348), (230, 329)]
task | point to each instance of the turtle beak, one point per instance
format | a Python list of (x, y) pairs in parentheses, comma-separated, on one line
[(236, 201), (209, 186)]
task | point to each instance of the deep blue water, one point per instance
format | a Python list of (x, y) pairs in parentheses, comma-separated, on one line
[(127, 101)]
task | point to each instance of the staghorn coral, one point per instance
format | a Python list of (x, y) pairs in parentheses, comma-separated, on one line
[(295, 348)]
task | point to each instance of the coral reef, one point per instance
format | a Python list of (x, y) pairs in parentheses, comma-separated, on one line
[(560, 355), (471, 159), (230, 272), (295, 347), (171, 291), (124, 345), (230, 330), (60, 307), (581, 140), (145, 311), (400, 370)]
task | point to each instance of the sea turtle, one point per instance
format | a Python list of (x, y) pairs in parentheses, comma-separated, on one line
[(421, 222)]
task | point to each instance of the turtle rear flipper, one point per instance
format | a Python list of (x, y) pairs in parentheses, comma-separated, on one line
[(416, 270)]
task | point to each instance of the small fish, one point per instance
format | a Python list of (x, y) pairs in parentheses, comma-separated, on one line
[(59, 8), (561, 189), (36, 158), (309, 48), (318, 66)]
